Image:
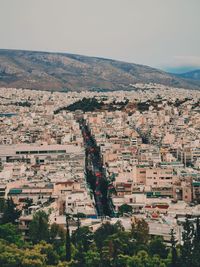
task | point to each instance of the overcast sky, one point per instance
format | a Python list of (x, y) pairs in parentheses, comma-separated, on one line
[(158, 33)]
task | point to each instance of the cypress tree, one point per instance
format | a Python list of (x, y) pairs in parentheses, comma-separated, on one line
[(173, 249), (196, 244), (10, 212), (68, 240), (187, 247)]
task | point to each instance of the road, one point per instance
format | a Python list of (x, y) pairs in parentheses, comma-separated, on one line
[(95, 173)]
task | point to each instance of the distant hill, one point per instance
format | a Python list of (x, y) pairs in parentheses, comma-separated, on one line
[(62, 72), (194, 75)]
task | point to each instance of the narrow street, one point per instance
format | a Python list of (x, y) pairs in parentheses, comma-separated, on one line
[(95, 174)]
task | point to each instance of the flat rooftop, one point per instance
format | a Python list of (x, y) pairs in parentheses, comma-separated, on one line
[(12, 150)]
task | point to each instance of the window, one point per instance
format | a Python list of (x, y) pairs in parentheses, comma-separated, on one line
[(23, 152)]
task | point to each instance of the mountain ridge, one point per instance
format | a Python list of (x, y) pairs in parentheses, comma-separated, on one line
[(63, 71), (194, 75)]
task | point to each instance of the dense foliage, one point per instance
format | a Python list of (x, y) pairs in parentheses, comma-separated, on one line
[(86, 104), (92, 104), (110, 245), (10, 213)]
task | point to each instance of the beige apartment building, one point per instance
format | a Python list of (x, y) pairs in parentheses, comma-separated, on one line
[(159, 177), (153, 176), (157, 181)]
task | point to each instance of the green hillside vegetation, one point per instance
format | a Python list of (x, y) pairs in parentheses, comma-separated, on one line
[(92, 104), (85, 105)]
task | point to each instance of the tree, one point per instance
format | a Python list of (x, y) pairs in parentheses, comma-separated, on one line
[(115, 245), (157, 247), (123, 260), (106, 230), (40, 255), (91, 180), (56, 231), (196, 244), (125, 209), (10, 233), (187, 247), (140, 231), (27, 203), (10, 255), (92, 259), (174, 260), (142, 259), (79, 215), (39, 227), (33, 258), (105, 198), (82, 236), (68, 239), (63, 264), (51, 257), (10, 212), (2, 205), (57, 238), (86, 104)]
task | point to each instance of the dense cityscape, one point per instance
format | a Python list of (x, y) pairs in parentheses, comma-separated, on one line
[(96, 168), (99, 133)]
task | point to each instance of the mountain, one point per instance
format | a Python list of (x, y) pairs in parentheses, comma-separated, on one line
[(193, 75), (62, 72)]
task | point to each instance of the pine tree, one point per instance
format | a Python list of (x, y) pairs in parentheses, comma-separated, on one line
[(68, 240), (39, 227), (173, 249), (10, 212), (196, 245), (187, 247)]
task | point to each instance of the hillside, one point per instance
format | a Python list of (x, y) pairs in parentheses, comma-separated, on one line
[(62, 72), (194, 75)]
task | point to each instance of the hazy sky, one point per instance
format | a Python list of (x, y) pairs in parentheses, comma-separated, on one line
[(152, 32)]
